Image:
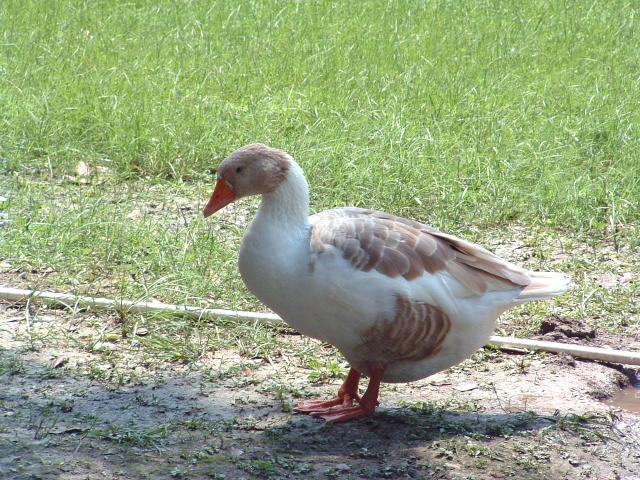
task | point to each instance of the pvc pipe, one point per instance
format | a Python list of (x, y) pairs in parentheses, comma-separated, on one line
[(97, 303), (582, 351)]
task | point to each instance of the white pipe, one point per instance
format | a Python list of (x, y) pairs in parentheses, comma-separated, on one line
[(97, 303), (582, 351)]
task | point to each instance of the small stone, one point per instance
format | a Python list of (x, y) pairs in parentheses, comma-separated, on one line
[(465, 386), (105, 346), (141, 331), (574, 462), (343, 467), (236, 452)]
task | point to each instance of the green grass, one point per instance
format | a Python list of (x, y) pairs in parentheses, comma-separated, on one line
[(489, 112), (471, 116)]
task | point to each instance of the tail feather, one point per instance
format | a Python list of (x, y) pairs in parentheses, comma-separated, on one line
[(544, 285)]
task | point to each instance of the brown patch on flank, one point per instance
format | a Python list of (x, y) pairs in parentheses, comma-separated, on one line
[(416, 332)]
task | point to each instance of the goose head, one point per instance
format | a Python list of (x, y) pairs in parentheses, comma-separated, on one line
[(254, 169)]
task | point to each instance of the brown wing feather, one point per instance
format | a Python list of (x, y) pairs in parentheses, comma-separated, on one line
[(396, 246)]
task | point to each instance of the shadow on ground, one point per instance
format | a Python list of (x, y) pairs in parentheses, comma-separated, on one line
[(57, 424)]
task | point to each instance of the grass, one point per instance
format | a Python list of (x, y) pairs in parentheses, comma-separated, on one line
[(471, 117), (487, 113)]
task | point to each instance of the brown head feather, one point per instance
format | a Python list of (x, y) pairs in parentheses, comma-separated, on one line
[(254, 169)]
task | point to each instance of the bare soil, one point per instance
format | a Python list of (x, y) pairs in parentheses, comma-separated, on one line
[(72, 412)]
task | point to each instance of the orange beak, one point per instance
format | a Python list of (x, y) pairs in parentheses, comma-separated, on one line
[(222, 196)]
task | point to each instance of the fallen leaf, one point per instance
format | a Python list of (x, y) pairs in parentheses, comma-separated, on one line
[(68, 430), (58, 361), (111, 337), (84, 170), (627, 276), (440, 384), (134, 214), (607, 280)]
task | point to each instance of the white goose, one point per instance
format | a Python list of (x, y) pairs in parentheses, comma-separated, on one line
[(398, 298)]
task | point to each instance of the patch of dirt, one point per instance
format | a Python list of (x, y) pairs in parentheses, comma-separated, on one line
[(560, 329), (229, 416)]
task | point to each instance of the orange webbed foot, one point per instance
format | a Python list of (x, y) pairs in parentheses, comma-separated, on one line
[(342, 409), (319, 406), (346, 395), (343, 413)]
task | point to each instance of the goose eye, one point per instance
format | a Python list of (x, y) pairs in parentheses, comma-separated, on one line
[(238, 169)]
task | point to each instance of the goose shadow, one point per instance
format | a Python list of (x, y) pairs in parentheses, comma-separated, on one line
[(57, 421), (405, 425)]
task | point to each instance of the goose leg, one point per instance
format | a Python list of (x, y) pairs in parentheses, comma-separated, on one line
[(366, 405), (347, 393)]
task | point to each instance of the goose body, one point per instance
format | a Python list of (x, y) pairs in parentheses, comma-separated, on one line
[(399, 299)]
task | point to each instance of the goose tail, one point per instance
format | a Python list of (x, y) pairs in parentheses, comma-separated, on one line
[(544, 285)]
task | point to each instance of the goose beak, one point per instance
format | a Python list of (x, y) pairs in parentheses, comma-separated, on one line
[(221, 197)]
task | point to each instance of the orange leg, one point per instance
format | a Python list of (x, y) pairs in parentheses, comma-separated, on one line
[(347, 393), (366, 405)]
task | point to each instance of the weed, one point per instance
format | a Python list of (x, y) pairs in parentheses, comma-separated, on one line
[(130, 434), (262, 468), (179, 472), (321, 372), (281, 391), (303, 468), (13, 365), (530, 456), (590, 426)]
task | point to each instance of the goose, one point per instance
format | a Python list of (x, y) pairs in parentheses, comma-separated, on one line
[(399, 299)]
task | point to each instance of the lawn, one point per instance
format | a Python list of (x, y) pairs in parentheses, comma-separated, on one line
[(512, 124), (464, 117)]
